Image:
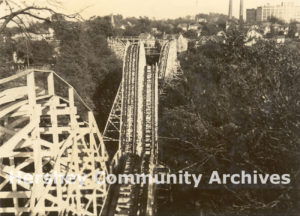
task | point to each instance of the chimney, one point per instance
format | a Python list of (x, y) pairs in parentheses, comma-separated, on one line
[(230, 10), (242, 11)]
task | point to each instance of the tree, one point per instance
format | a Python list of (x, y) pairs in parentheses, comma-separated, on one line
[(6, 54), (275, 20), (191, 34), (19, 11), (235, 108), (292, 29), (22, 16), (141, 25), (87, 63), (210, 29)]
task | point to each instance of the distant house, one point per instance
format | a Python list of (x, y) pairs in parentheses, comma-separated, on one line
[(201, 20), (252, 33), (252, 37), (154, 30), (205, 39), (47, 35), (195, 26), (278, 28), (215, 39), (183, 26)]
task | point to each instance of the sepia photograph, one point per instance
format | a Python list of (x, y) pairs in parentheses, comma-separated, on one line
[(149, 108)]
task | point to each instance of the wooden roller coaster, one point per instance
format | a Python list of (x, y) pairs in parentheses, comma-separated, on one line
[(46, 128)]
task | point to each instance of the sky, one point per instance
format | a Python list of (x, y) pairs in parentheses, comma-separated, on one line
[(159, 8)]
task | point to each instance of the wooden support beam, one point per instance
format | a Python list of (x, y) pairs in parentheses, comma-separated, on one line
[(18, 194), (4, 130), (14, 187), (51, 88), (35, 136), (55, 135), (75, 157), (13, 210)]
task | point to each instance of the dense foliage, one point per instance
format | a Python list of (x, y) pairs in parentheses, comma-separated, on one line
[(86, 61), (235, 108)]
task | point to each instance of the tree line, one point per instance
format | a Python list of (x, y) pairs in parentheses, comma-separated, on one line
[(235, 108)]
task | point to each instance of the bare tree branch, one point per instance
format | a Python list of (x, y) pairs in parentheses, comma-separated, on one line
[(30, 11)]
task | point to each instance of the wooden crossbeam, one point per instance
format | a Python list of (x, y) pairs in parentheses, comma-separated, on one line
[(5, 172), (13, 142), (19, 194), (13, 210), (5, 182), (16, 122), (7, 131), (13, 94)]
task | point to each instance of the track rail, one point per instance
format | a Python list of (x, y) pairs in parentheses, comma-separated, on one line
[(138, 132)]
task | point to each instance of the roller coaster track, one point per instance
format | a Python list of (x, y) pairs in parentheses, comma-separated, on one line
[(138, 131), (45, 127)]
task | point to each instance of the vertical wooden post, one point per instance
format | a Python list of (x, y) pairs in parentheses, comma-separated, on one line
[(55, 135), (92, 150), (14, 187), (71, 98), (51, 88), (74, 131), (31, 90), (35, 112)]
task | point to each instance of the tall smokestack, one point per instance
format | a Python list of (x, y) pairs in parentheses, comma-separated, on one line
[(242, 11), (230, 9)]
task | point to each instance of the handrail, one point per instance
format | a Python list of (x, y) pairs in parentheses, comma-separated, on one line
[(28, 71), (14, 77)]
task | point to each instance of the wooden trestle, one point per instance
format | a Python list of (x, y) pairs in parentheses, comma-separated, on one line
[(41, 132)]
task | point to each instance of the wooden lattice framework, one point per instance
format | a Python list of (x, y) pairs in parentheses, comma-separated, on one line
[(45, 127)]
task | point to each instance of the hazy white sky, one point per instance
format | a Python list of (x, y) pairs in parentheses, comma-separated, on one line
[(159, 8), (150, 8)]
